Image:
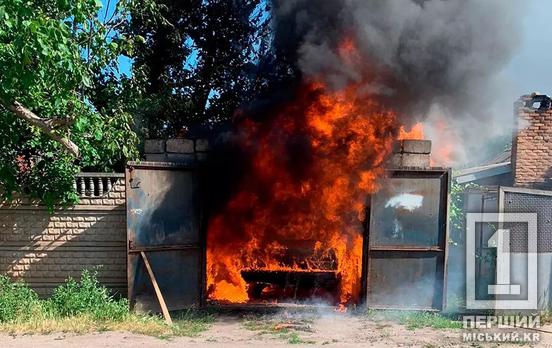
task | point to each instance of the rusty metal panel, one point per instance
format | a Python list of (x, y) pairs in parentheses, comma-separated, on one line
[(406, 241), (405, 280), (164, 221)]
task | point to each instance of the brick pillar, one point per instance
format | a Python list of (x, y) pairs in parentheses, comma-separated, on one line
[(532, 142)]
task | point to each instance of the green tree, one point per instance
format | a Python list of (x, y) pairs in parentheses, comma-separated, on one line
[(62, 104), (200, 61)]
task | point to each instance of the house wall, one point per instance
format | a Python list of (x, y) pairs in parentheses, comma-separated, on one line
[(532, 145), (44, 249)]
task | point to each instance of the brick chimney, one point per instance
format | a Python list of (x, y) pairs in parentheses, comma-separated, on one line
[(532, 143)]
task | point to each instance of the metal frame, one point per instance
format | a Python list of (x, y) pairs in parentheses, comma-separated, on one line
[(141, 251), (532, 256), (502, 192), (528, 191), (486, 194), (368, 250)]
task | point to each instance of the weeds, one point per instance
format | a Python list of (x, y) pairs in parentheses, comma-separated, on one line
[(87, 296), (85, 306), (17, 301), (417, 320)]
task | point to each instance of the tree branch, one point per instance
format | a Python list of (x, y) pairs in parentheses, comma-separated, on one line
[(55, 123), (47, 126)]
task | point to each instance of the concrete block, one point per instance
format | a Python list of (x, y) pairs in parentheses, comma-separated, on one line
[(416, 146), (180, 146), (397, 146), (417, 160), (154, 146), (202, 145), (156, 157), (395, 161)]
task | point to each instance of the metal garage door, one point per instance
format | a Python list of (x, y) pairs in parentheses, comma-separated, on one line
[(406, 242), (164, 230)]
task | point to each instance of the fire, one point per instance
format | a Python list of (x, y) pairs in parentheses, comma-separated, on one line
[(313, 166), (444, 138), (348, 52), (415, 133)]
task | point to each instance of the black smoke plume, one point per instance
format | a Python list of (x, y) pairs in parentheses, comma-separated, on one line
[(418, 56)]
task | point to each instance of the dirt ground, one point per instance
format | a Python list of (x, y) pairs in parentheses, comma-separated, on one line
[(283, 329)]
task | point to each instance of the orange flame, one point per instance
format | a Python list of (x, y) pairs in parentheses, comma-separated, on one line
[(313, 167), (415, 133), (444, 137)]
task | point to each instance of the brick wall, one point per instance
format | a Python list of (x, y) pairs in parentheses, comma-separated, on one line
[(44, 249), (532, 144)]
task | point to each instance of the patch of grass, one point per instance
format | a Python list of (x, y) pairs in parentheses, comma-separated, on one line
[(260, 325), (86, 306), (416, 320), (284, 330), (192, 322), (85, 323), (294, 338)]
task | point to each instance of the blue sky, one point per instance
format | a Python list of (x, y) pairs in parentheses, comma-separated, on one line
[(531, 68)]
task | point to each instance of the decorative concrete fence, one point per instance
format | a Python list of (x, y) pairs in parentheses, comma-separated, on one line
[(44, 249)]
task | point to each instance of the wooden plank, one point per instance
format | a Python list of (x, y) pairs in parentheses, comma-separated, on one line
[(164, 308)]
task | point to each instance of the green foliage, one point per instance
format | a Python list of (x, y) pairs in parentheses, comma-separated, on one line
[(17, 300), (457, 216), (418, 320), (197, 62), (59, 59), (87, 296), (86, 306)]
